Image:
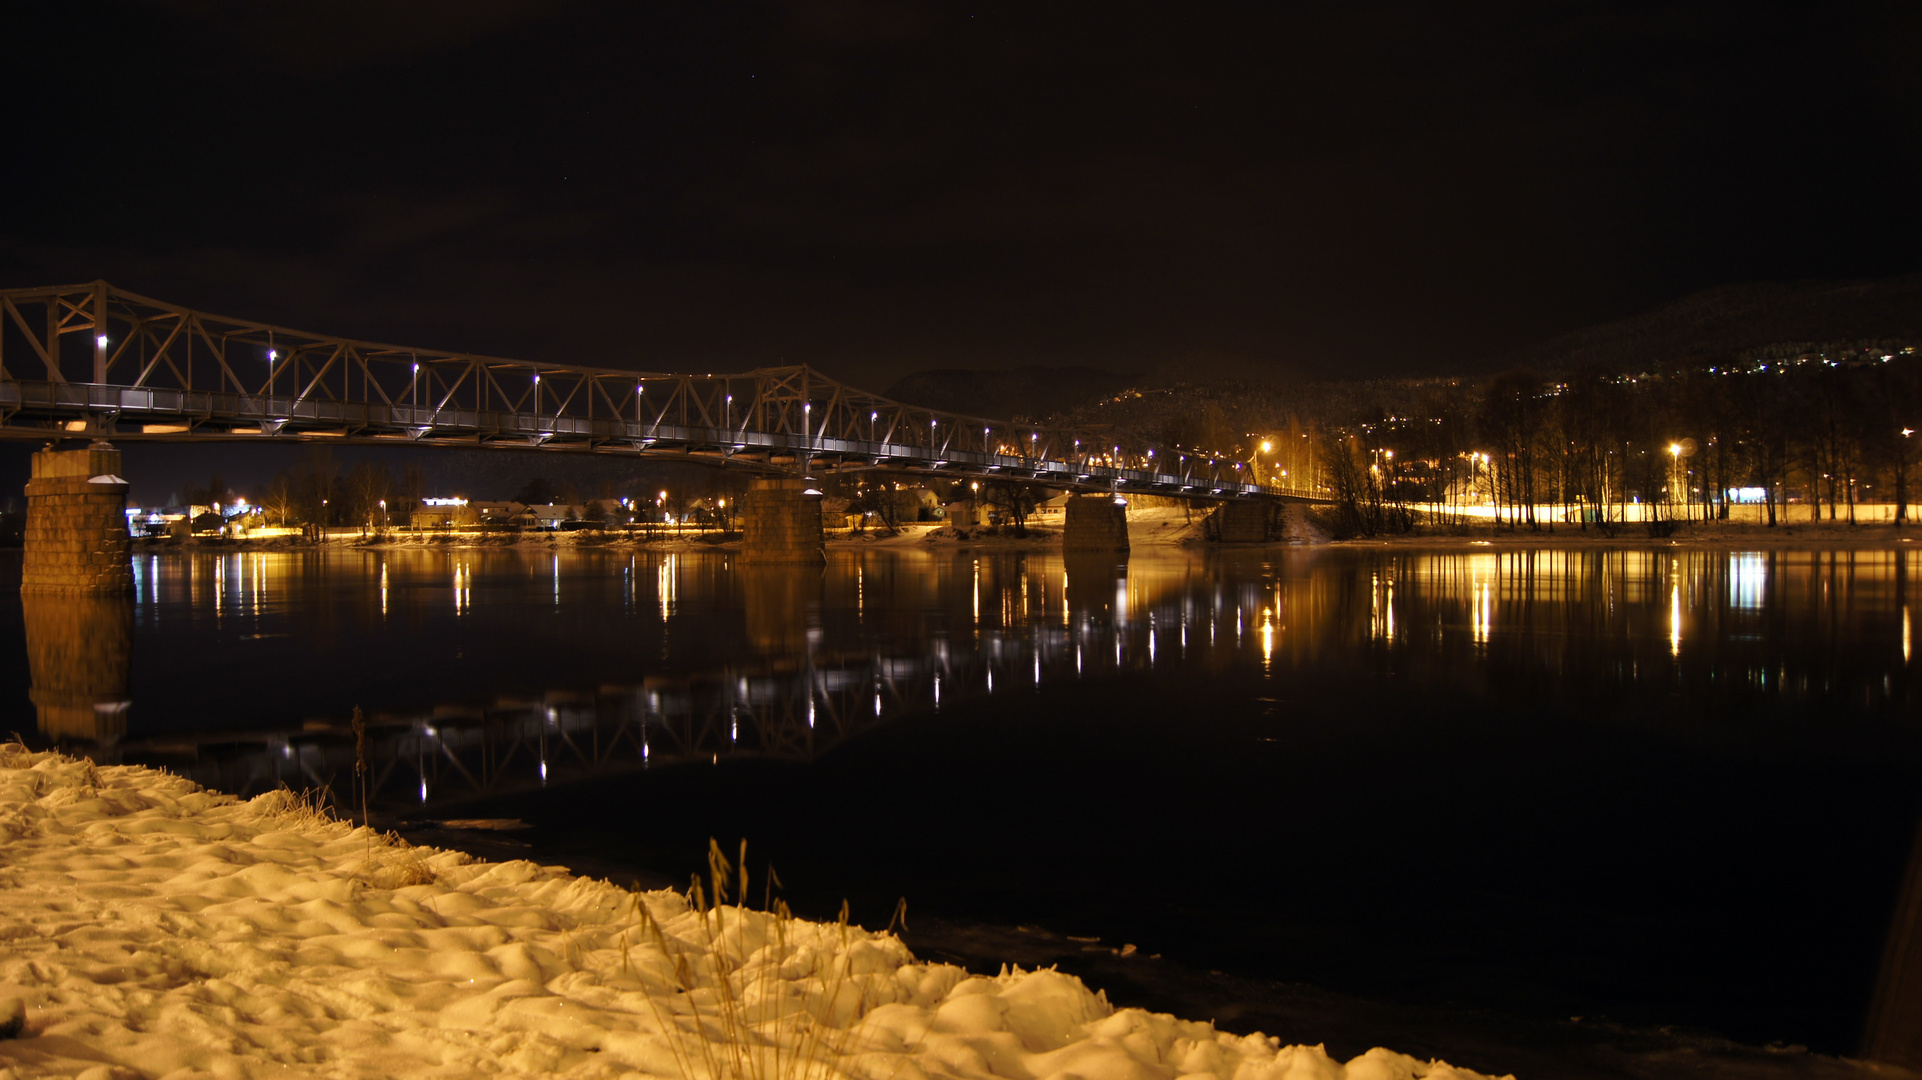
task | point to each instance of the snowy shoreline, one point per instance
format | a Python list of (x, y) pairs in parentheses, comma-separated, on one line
[(155, 929)]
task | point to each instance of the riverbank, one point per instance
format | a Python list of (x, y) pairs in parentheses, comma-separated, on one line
[(1148, 528), (1578, 1048), (1154, 527), (1701, 534), (150, 928)]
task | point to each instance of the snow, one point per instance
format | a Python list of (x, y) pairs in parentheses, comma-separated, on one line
[(155, 929)]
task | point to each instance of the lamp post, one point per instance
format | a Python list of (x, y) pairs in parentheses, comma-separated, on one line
[(1674, 467)]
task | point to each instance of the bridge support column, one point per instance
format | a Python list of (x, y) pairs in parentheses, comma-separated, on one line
[(781, 523), (1095, 523), (77, 539), (1253, 521)]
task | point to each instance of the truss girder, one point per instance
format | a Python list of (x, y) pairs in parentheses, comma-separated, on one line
[(92, 358)]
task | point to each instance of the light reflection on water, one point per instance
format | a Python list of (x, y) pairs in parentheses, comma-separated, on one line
[(490, 672), (224, 640)]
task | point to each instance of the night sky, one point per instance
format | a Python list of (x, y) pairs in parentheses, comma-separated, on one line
[(881, 188)]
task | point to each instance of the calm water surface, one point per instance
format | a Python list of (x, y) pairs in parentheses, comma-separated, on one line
[(1668, 787)]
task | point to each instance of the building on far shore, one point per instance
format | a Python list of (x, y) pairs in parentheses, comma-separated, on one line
[(450, 513)]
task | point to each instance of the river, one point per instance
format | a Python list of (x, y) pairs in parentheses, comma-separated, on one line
[(1671, 786)]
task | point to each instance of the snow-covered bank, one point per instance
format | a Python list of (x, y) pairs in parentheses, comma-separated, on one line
[(156, 929)]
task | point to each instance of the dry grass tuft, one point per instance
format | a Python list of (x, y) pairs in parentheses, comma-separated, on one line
[(295, 809), (395, 864), (755, 995)]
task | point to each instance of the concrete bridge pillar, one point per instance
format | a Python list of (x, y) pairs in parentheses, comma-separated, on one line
[(1254, 521), (77, 539), (781, 523), (1095, 523)]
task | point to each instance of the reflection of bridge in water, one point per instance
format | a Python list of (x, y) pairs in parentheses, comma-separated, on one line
[(828, 655), (794, 703)]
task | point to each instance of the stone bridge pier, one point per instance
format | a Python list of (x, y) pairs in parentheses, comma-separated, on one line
[(77, 539), (1246, 522), (1095, 523), (781, 523)]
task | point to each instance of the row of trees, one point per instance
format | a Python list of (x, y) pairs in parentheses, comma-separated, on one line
[(314, 495), (1822, 431), (890, 502), (1825, 433)]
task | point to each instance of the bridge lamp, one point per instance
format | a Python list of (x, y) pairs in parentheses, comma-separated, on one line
[(272, 355), (101, 341), (537, 376), (1266, 446)]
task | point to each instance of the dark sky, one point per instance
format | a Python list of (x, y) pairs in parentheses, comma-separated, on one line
[(878, 188)]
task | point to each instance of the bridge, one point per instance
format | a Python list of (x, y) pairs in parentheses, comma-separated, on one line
[(96, 362)]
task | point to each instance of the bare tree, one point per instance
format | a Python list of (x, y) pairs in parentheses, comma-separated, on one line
[(1017, 498)]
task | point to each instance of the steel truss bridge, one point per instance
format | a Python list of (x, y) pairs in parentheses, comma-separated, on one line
[(93, 360)]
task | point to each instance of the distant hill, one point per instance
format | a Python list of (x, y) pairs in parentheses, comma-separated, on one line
[(1734, 319), (1030, 392)]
